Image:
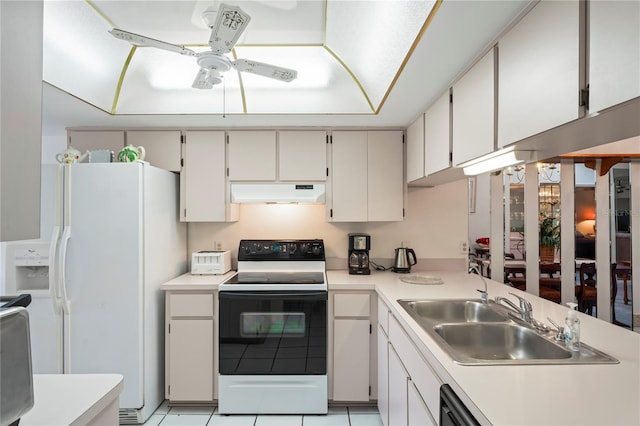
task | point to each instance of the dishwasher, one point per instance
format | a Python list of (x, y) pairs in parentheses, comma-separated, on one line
[(453, 412)]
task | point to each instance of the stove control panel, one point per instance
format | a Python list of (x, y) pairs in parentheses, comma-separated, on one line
[(267, 250)]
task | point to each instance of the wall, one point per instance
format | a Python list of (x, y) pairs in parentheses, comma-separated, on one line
[(435, 225), (480, 221)]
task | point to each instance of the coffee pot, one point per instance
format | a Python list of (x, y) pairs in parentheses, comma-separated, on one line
[(402, 262), (131, 153), (71, 155)]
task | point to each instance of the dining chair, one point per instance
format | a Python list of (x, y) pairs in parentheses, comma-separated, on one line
[(614, 293), (550, 289), (586, 291)]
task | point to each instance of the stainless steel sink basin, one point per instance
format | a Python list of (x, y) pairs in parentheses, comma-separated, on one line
[(498, 342), (476, 333), (447, 311)]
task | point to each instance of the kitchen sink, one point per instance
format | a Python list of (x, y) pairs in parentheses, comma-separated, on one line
[(446, 311), (477, 333)]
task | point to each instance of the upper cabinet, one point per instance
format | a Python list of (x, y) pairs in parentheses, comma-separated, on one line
[(203, 186), (302, 155), (474, 111), (614, 53), (415, 150), (539, 71), (267, 156), (252, 155), (162, 148), (437, 135), (367, 178), (91, 140)]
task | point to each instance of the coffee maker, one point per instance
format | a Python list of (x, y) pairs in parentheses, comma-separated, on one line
[(359, 246)]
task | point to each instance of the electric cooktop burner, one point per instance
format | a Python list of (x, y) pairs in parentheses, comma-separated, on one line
[(277, 278)]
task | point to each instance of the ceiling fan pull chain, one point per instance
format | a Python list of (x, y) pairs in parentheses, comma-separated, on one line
[(224, 98)]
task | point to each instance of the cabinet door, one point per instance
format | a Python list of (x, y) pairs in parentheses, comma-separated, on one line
[(351, 360), (415, 150), (398, 398), (437, 135), (539, 71), (474, 112), (302, 156), (92, 140), (383, 376), (614, 53), (349, 176), (418, 413), (252, 156), (202, 179), (385, 176), (162, 148), (190, 360)]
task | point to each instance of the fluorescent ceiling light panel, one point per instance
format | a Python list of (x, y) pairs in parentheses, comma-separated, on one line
[(495, 161)]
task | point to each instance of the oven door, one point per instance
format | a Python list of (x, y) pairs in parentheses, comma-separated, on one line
[(273, 332)]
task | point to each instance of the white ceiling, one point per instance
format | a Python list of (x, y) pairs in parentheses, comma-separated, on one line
[(460, 32)]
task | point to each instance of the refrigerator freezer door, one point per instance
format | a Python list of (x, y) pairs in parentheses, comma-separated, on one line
[(104, 274)]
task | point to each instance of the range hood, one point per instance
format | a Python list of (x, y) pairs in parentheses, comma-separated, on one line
[(278, 193)]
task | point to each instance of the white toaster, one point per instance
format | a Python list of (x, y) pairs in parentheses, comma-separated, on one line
[(214, 262)]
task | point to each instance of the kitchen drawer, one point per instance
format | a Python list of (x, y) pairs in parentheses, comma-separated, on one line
[(351, 305), (383, 316), (424, 378), (191, 305)]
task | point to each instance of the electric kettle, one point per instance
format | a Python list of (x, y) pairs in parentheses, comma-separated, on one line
[(402, 263)]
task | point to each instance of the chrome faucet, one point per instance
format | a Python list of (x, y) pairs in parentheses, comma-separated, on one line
[(524, 310), (473, 267)]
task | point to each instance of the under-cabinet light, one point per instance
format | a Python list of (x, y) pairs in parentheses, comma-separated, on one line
[(496, 160)]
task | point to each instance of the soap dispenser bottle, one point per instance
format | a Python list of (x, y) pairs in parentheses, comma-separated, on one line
[(572, 328)]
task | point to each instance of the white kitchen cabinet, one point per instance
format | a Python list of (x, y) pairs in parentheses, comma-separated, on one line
[(367, 179), (203, 185), (437, 135), (614, 53), (189, 347), (398, 396), (415, 150), (302, 155), (383, 375), (351, 346), (417, 411), (539, 71), (162, 147), (474, 111), (252, 155), (89, 140)]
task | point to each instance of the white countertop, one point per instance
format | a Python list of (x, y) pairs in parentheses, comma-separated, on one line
[(196, 282), (525, 394), (71, 399)]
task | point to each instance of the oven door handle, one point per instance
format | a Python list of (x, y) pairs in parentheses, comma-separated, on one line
[(264, 295)]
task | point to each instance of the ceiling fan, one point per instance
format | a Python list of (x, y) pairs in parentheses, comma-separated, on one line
[(620, 188), (227, 25)]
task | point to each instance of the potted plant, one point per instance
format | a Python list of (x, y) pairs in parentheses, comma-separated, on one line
[(549, 238)]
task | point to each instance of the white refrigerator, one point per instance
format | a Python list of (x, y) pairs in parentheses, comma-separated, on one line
[(117, 237)]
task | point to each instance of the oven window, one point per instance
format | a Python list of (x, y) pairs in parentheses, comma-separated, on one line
[(263, 333), (260, 324)]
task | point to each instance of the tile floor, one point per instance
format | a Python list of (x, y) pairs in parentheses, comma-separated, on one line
[(207, 416)]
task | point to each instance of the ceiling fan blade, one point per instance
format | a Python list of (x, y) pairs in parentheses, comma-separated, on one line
[(138, 40), (229, 26), (265, 70)]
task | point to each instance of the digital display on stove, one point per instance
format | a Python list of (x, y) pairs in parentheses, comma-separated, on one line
[(260, 324)]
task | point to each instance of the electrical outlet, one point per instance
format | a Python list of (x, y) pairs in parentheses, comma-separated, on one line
[(464, 247), (218, 246)]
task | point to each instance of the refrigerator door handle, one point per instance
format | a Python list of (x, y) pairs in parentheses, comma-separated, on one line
[(64, 244), (53, 269)]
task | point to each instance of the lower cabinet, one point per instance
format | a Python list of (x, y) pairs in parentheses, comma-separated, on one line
[(352, 373), (408, 388), (189, 340)]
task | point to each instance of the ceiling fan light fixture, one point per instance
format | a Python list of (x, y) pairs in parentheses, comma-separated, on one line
[(213, 61)]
